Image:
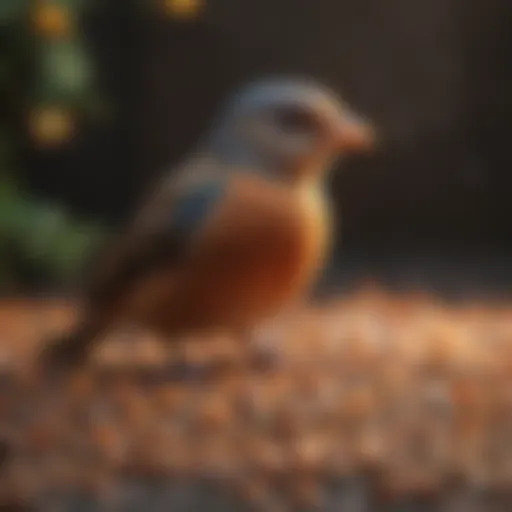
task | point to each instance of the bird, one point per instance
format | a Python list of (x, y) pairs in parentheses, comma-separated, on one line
[(233, 234)]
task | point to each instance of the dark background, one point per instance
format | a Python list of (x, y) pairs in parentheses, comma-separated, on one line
[(434, 75)]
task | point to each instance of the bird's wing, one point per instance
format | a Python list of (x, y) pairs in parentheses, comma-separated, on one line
[(159, 236)]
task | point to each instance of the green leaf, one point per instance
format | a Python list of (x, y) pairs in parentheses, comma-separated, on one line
[(71, 248), (13, 210), (65, 73), (41, 227), (70, 254)]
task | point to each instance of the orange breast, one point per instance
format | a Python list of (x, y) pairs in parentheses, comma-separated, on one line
[(262, 247)]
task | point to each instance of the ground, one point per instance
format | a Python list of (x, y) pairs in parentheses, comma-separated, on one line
[(364, 401)]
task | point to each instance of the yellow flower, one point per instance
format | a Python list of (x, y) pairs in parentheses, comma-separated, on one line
[(184, 9), (52, 21), (50, 126)]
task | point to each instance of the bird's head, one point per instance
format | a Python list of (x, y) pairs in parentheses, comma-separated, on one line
[(292, 129)]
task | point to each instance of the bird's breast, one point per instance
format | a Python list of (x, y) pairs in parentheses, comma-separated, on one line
[(260, 248)]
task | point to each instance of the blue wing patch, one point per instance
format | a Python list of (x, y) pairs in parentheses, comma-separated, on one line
[(166, 243), (193, 208)]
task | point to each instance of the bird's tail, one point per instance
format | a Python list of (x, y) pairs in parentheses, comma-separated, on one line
[(70, 350)]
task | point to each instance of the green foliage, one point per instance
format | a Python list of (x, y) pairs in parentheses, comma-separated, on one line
[(65, 74), (44, 65), (42, 236)]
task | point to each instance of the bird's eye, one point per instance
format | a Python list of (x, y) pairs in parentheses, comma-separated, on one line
[(294, 120)]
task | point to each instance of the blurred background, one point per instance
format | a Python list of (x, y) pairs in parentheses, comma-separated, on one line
[(97, 98), (101, 97)]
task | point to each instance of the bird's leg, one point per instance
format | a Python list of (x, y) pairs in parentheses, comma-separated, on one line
[(129, 334), (178, 367), (243, 339), (71, 349), (259, 347)]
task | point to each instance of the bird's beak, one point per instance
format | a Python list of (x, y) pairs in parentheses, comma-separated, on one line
[(354, 134)]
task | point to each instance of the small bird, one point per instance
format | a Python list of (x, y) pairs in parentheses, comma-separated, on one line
[(236, 232)]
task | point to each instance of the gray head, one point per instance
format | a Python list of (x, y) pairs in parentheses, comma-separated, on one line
[(290, 128)]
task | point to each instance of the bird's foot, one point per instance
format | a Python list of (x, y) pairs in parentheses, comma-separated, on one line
[(59, 359), (185, 371), (263, 352), (264, 358)]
